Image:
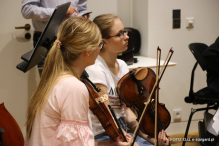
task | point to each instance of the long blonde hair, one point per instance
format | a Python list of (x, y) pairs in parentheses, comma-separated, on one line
[(105, 23), (75, 35)]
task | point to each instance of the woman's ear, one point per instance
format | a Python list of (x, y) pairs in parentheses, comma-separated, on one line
[(105, 42), (86, 53)]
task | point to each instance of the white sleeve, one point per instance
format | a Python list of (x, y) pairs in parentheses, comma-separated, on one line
[(32, 10), (97, 75)]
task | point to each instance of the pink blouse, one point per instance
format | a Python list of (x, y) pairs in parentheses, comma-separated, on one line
[(65, 118)]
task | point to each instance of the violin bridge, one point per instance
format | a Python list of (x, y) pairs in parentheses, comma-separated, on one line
[(102, 98)]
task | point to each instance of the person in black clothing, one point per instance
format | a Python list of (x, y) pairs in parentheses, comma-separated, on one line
[(211, 55)]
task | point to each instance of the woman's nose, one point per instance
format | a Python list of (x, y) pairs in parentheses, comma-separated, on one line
[(126, 36)]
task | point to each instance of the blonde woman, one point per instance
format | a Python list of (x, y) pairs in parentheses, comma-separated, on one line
[(58, 113), (107, 71)]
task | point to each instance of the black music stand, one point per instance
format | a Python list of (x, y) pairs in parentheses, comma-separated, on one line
[(48, 36)]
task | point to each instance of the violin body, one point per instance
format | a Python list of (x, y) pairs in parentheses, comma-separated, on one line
[(134, 90), (99, 109), (164, 119), (12, 134)]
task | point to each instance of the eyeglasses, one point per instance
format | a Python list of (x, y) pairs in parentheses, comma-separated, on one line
[(120, 35), (101, 44)]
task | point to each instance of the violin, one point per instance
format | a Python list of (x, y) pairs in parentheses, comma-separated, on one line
[(134, 89), (12, 134), (100, 110)]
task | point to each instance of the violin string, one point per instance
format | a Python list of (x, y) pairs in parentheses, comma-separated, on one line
[(91, 87), (152, 111), (159, 121), (146, 103), (153, 114), (161, 125), (151, 106), (102, 93)]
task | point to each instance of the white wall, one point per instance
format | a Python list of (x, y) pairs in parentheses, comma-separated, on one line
[(125, 12), (140, 22), (101, 7), (117, 7)]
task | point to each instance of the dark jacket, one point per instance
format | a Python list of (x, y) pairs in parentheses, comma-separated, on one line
[(211, 55)]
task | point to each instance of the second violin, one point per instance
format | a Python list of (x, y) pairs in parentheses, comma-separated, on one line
[(134, 89)]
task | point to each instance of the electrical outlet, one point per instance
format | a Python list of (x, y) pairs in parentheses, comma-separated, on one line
[(190, 22), (177, 113)]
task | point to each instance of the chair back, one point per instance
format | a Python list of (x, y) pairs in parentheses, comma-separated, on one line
[(136, 38), (197, 50)]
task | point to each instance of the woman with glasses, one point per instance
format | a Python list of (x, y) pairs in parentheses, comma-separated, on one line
[(107, 71), (58, 112)]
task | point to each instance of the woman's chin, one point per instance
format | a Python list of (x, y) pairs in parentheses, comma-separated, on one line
[(122, 50), (126, 48)]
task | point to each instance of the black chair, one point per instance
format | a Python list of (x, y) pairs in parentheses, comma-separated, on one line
[(203, 96)]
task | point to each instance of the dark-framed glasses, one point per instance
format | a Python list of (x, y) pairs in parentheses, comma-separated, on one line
[(101, 44), (120, 35)]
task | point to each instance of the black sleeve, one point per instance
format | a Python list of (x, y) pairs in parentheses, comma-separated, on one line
[(211, 54)]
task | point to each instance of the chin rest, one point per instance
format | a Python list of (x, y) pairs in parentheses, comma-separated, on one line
[(141, 73)]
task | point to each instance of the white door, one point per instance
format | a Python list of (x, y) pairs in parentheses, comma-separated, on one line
[(16, 87)]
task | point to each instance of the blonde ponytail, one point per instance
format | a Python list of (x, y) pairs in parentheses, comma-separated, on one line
[(75, 35)]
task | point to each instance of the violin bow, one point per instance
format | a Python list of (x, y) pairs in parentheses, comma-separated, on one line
[(157, 93), (169, 55), (156, 130)]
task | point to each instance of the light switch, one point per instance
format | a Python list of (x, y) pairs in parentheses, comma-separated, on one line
[(176, 18)]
